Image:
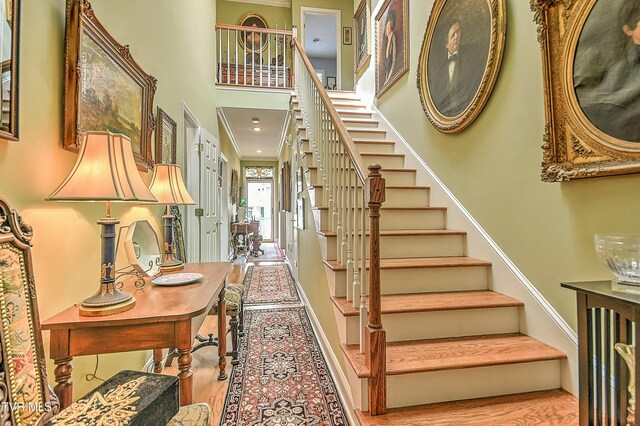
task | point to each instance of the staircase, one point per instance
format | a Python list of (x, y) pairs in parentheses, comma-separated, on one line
[(455, 353)]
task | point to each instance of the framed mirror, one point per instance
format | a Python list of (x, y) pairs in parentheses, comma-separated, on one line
[(9, 39)]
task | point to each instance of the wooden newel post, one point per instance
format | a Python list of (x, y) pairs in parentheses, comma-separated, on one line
[(376, 341)]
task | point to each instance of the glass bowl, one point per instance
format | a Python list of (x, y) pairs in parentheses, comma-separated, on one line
[(621, 253)]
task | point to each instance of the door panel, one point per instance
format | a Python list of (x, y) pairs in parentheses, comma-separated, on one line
[(210, 217)]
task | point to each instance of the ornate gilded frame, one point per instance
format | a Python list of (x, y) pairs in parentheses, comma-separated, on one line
[(573, 147), (363, 7), (457, 123), (382, 87), (81, 19), (11, 130), (164, 120), (264, 42)]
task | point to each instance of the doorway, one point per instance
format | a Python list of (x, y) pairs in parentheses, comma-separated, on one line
[(260, 205), (322, 41)]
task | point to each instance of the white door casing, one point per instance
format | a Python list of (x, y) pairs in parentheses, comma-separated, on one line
[(338, 13), (223, 208), (191, 137)]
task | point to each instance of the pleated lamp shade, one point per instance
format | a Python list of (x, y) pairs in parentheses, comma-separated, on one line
[(168, 186), (104, 171)]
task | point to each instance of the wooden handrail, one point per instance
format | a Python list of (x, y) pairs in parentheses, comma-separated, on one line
[(341, 129), (253, 29)]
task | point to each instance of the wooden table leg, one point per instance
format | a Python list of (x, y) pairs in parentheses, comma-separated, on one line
[(157, 360), (185, 376), (64, 385), (222, 336)]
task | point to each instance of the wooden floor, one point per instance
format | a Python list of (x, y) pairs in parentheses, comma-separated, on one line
[(206, 387)]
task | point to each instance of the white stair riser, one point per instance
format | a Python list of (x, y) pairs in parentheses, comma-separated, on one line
[(391, 178), (347, 95), (356, 133), (418, 280), (306, 160), (354, 114), (386, 162), (352, 100), (394, 197), (369, 124), (426, 388), (373, 147), (311, 178), (405, 246), (391, 219), (302, 132), (359, 387), (351, 106), (441, 324)]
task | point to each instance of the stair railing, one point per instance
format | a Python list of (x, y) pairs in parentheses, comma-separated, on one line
[(251, 56), (348, 188)]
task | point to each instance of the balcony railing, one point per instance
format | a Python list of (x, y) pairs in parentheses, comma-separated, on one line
[(255, 57)]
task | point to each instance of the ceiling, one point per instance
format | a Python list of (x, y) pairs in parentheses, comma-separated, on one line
[(323, 27), (249, 141)]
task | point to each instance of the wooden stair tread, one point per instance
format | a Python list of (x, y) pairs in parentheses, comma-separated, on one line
[(373, 142), (550, 407), (393, 208), (433, 302), (382, 170), (406, 232), (418, 356), (388, 187), (417, 262), (381, 154), (365, 130)]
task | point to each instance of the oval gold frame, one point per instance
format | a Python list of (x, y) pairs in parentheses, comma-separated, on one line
[(446, 124), (573, 146), (263, 44)]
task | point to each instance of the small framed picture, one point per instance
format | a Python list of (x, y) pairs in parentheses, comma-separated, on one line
[(331, 83), (300, 213), (346, 35), (299, 184)]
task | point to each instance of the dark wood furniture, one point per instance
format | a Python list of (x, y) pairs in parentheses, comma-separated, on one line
[(254, 75), (163, 317), (605, 317)]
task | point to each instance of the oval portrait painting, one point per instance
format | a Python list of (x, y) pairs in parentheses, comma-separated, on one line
[(606, 71), (459, 60)]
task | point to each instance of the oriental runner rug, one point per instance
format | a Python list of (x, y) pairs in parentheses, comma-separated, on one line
[(272, 253), (269, 284), (282, 377)]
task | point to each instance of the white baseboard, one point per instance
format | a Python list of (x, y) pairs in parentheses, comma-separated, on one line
[(339, 378)]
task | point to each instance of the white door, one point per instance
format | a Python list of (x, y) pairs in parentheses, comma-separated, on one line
[(191, 133), (209, 194)]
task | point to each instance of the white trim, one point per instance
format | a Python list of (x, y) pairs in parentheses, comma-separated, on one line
[(283, 133), (338, 15), (227, 128), (521, 277), (276, 3), (262, 89), (338, 376), (192, 224)]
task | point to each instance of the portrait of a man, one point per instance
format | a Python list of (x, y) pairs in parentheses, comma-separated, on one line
[(391, 30), (606, 74), (458, 55)]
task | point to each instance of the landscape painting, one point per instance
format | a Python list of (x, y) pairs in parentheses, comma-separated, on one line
[(109, 98)]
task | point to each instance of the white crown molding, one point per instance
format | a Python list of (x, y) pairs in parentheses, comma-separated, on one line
[(227, 128), (276, 3)]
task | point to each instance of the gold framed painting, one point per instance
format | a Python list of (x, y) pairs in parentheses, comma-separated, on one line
[(252, 41), (361, 23), (392, 44), (590, 53), (166, 138), (105, 89), (10, 40), (460, 60)]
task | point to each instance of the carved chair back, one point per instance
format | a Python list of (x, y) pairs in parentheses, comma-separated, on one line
[(25, 397)]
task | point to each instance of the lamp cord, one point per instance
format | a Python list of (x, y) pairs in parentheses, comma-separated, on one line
[(91, 376)]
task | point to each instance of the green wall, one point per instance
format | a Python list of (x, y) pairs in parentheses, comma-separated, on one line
[(230, 12), (493, 167), (169, 41)]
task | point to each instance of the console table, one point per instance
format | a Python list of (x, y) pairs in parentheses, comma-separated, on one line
[(164, 317), (605, 317)]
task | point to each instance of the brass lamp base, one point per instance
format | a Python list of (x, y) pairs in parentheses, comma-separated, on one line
[(106, 310), (171, 264)]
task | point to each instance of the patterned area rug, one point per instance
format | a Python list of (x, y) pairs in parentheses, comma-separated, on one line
[(269, 284), (282, 377), (272, 253)]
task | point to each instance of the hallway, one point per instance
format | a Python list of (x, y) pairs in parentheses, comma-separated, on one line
[(281, 377)]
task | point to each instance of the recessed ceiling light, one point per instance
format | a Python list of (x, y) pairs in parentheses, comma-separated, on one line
[(259, 151), (316, 40), (256, 129), (255, 120)]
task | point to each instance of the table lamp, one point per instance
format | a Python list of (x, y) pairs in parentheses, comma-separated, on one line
[(168, 187), (105, 171)]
